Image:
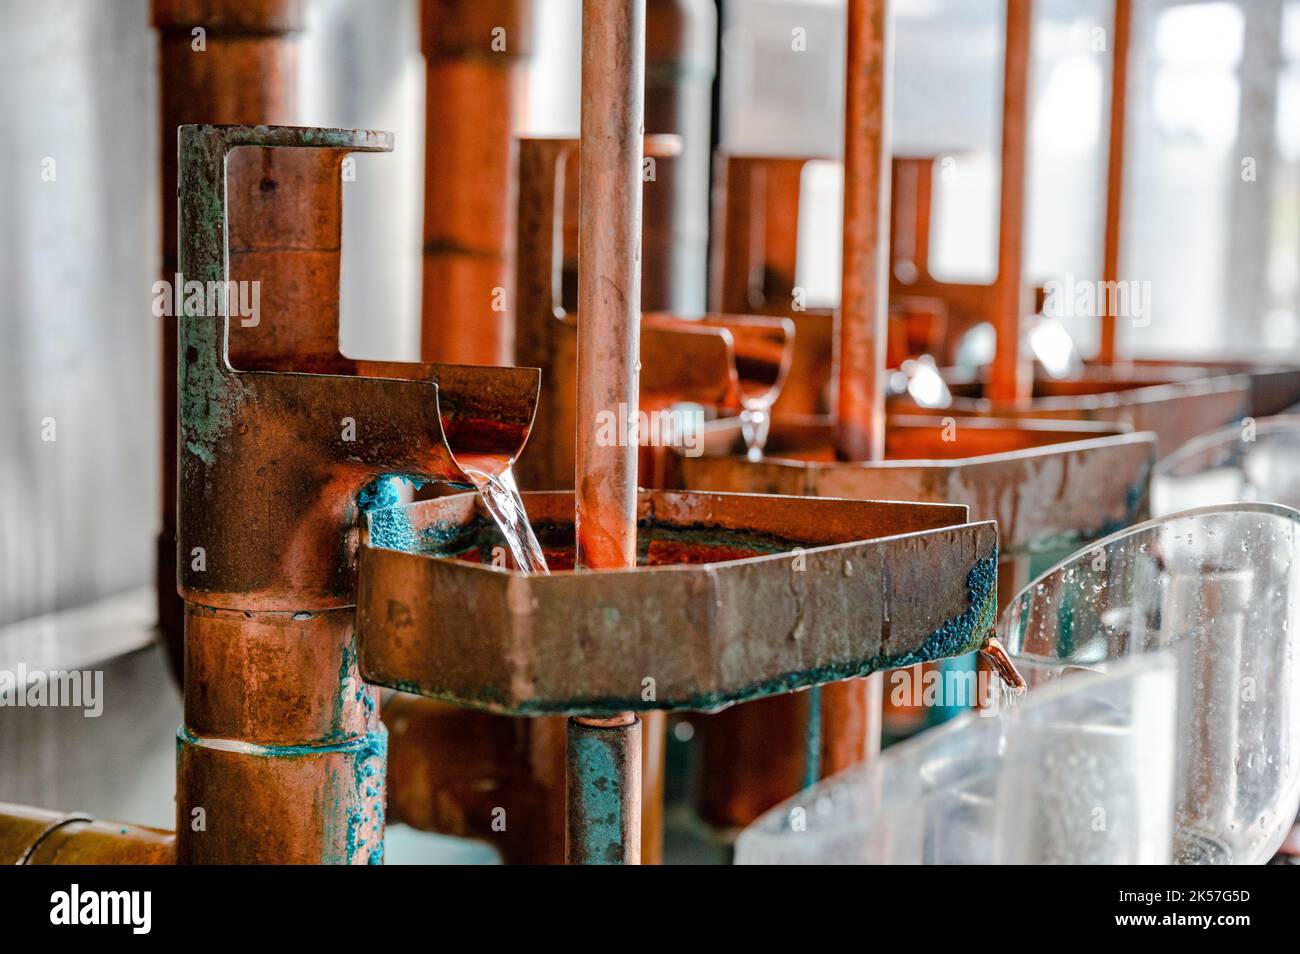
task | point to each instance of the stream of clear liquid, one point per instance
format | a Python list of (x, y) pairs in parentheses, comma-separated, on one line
[(496, 485), (754, 425)]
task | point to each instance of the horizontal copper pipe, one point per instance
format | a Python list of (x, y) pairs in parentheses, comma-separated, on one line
[(36, 836)]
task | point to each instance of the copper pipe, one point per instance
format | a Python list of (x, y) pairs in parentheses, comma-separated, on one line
[(475, 53), (244, 73), (479, 775), (603, 791), (864, 305), (281, 757), (755, 239), (849, 716), (451, 767), (36, 836), (1011, 377), (1000, 660), (609, 278), (609, 319), (1120, 37)]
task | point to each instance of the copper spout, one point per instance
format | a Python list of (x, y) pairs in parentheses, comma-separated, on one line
[(996, 654), (281, 757)]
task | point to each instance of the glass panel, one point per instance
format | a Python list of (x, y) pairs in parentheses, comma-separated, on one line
[(1221, 588), (1077, 773), (1249, 462)]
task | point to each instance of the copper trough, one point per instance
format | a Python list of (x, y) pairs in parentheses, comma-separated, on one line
[(757, 248), (736, 597), (1051, 487)]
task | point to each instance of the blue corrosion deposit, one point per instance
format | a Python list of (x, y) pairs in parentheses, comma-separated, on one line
[(370, 744), (367, 756), (812, 765), (391, 528), (964, 633), (381, 492), (595, 772)]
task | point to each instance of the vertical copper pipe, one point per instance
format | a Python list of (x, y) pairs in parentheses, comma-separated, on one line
[(219, 61), (1012, 378), (475, 51), (609, 319), (603, 791), (850, 718), (864, 308), (609, 278), (1120, 35)]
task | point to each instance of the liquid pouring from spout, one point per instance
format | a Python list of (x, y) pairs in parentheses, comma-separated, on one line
[(494, 480)]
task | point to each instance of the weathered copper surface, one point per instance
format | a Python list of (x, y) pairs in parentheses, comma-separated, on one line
[(603, 778), (497, 778), (35, 836), (1122, 29), (245, 74), (706, 634), (477, 775), (1274, 385), (288, 764), (1048, 485), (603, 792), (475, 52), (864, 288), (1011, 374), (1175, 411), (609, 278)]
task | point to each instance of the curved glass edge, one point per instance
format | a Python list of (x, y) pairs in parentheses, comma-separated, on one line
[(772, 839)]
